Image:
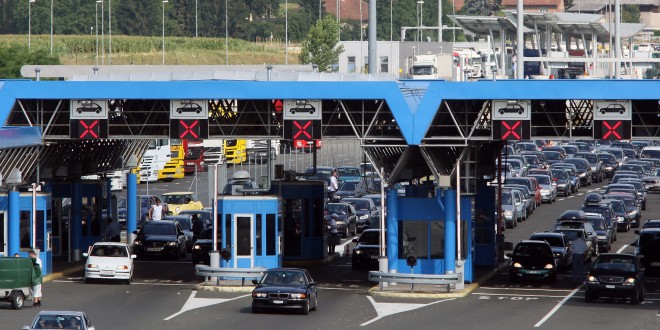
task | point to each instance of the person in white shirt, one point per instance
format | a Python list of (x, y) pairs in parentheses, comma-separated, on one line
[(334, 184), (156, 211), (36, 287)]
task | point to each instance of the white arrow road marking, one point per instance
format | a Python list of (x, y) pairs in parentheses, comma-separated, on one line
[(194, 303), (342, 247), (386, 309)]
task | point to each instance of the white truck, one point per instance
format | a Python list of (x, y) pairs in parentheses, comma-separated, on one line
[(154, 160), (430, 66)]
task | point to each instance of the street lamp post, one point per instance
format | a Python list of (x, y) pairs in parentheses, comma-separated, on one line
[(96, 27), (226, 35), (195, 18), (110, 31), (51, 27), (102, 34), (30, 24), (420, 21), (164, 2), (286, 32)]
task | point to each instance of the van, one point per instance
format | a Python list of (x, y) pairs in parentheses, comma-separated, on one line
[(16, 276)]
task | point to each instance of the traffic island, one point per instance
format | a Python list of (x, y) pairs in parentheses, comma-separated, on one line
[(421, 291), (224, 286)]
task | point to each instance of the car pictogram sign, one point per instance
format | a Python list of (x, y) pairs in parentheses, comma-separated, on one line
[(189, 129), (612, 129), (88, 129), (511, 129), (302, 129)]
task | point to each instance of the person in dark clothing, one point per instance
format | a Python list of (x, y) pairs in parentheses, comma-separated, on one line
[(112, 232), (197, 225)]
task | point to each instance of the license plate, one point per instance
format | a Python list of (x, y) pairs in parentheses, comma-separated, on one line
[(107, 272), (609, 287), (153, 249), (533, 272), (169, 175), (190, 164), (374, 257), (655, 264), (278, 302)]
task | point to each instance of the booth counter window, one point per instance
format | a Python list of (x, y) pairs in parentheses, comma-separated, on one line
[(26, 220), (422, 239)]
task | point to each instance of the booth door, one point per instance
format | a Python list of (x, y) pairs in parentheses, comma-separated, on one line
[(244, 240), (3, 235)]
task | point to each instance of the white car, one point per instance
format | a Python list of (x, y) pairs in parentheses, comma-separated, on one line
[(109, 260), (60, 320)]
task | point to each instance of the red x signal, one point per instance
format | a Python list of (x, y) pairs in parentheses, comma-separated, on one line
[(611, 130), (302, 130), (90, 129), (511, 130), (189, 129)]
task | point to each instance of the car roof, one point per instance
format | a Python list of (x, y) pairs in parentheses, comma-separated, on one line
[(111, 243), (547, 233), (286, 269), (529, 241), (159, 222), (178, 193), (76, 313), (194, 211), (651, 230)]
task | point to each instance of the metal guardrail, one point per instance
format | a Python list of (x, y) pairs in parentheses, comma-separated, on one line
[(230, 273), (448, 280)]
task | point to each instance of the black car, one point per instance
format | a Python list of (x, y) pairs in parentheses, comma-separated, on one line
[(285, 288), (532, 260), (561, 248), (604, 231), (620, 214), (596, 166), (185, 221), (651, 223), (647, 247), (205, 215), (202, 246), (190, 107), (615, 275), (610, 165), (347, 189), (345, 218), (366, 251), (365, 209), (164, 238), (583, 168)]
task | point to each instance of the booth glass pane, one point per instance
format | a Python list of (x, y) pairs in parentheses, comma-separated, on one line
[(25, 230), (228, 229), (3, 234), (57, 207), (243, 236), (258, 235), (271, 238), (318, 214), (40, 231), (437, 240), (414, 239)]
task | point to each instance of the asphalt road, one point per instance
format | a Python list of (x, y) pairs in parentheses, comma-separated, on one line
[(162, 297)]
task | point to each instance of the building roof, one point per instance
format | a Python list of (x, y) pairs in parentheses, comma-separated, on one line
[(348, 9), (508, 3)]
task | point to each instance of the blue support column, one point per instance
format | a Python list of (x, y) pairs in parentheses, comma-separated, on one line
[(392, 226), (131, 207), (75, 227), (450, 231), (14, 225)]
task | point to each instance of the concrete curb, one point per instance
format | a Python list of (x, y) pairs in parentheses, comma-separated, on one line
[(307, 263), (68, 271), (214, 288), (469, 288)]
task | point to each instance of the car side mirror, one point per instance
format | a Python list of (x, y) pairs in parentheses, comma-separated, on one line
[(509, 255), (135, 232), (133, 256), (354, 240), (634, 243), (636, 232), (255, 282), (85, 254), (312, 284)]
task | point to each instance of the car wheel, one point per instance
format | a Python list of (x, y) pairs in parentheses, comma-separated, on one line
[(345, 233), (129, 280), (17, 300), (305, 310), (316, 303), (588, 297), (634, 298), (552, 278), (255, 309), (88, 280), (512, 278)]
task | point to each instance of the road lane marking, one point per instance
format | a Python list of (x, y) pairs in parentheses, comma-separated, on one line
[(194, 303), (571, 196), (386, 309), (523, 289), (342, 247), (622, 248), (516, 295), (557, 307)]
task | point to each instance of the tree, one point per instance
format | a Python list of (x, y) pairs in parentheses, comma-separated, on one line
[(630, 14), (13, 57), (480, 7), (320, 46)]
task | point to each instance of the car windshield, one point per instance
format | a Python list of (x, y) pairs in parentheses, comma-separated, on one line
[(552, 155), (592, 158), (337, 208), (552, 240), (543, 179), (121, 203), (618, 207), (348, 172), (369, 238), (615, 263), (184, 223), (177, 199), (649, 240), (359, 205), (159, 229), (560, 174), (58, 322), (570, 234), (284, 278), (531, 250), (348, 186), (598, 224), (507, 199), (515, 165), (606, 157), (109, 251)]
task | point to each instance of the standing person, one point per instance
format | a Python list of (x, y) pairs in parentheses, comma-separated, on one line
[(36, 279), (334, 234), (334, 184), (112, 231), (156, 210), (579, 246), (197, 225)]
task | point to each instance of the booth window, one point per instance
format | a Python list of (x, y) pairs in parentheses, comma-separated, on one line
[(2, 233), (228, 229), (422, 239), (40, 231), (258, 235), (25, 230), (271, 238), (351, 64), (384, 64)]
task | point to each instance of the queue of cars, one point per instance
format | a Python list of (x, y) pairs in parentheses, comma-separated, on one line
[(619, 207)]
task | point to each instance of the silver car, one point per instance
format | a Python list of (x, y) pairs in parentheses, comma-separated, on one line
[(548, 188), (510, 209)]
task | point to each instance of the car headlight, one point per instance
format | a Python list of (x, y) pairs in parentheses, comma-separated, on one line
[(92, 266), (517, 265), (259, 294), (601, 237), (298, 296), (508, 213), (172, 243), (358, 251), (136, 242), (557, 255), (582, 175), (591, 278), (562, 185), (549, 266), (632, 213), (620, 218), (364, 217), (629, 281), (122, 267), (197, 247)]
